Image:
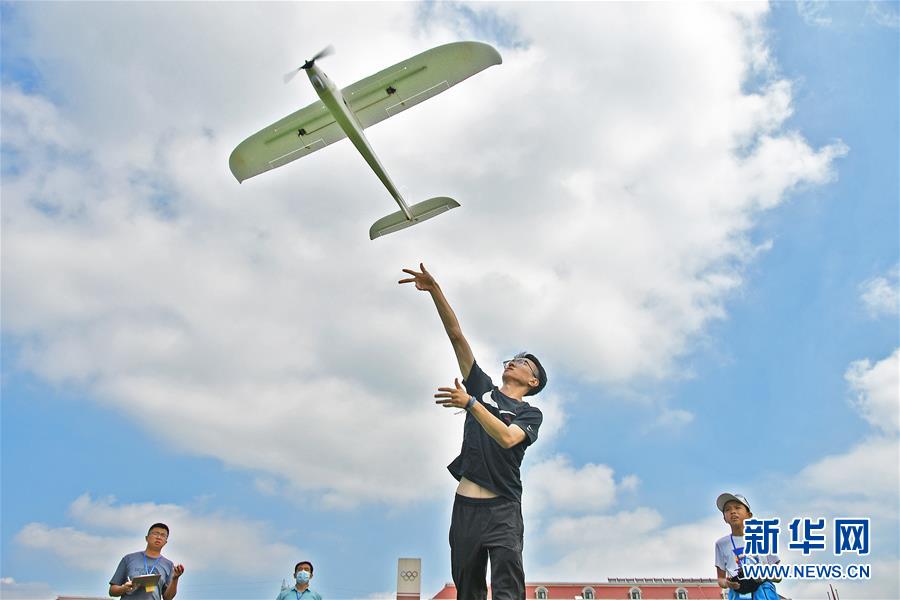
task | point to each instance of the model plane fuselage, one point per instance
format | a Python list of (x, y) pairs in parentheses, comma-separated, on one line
[(339, 108)]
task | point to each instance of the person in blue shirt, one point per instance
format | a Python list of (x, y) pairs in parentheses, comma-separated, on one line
[(303, 572), (149, 562)]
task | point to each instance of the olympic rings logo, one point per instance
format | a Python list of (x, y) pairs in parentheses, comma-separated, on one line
[(408, 575)]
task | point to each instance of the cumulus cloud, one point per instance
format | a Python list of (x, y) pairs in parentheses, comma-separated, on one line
[(881, 295), (876, 391), (869, 469), (15, 590), (884, 14), (606, 219), (107, 530), (814, 12), (672, 418), (554, 485), (627, 544)]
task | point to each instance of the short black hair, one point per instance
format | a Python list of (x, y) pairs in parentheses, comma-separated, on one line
[(158, 526), (304, 562), (542, 373)]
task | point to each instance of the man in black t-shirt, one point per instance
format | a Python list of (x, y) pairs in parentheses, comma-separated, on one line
[(487, 511)]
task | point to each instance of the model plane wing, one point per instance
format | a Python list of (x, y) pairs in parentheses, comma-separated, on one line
[(298, 134), (417, 79), (372, 100)]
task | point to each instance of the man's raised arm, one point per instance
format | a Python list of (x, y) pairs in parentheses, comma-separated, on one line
[(425, 282)]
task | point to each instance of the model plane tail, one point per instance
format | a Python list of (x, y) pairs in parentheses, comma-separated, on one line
[(420, 212)]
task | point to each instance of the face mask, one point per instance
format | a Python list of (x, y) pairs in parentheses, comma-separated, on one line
[(302, 576)]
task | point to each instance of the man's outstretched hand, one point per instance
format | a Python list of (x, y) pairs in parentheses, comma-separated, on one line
[(453, 397), (424, 281)]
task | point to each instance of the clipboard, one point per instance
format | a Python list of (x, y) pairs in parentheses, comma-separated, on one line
[(142, 581)]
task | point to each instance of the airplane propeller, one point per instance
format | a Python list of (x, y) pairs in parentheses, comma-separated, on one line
[(325, 52)]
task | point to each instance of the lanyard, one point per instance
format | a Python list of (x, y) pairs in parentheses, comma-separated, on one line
[(150, 570), (737, 555), (300, 594)]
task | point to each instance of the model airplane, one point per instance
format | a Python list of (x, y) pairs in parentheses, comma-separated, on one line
[(346, 112)]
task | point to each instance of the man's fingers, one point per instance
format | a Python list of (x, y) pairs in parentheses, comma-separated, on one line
[(410, 271), (407, 281), (422, 266)]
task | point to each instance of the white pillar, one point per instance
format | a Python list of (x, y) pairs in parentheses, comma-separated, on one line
[(409, 579)]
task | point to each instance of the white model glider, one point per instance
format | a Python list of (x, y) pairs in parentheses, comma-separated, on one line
[(346, 112)]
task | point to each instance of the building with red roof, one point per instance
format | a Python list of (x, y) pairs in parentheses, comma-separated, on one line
[(615, 588)]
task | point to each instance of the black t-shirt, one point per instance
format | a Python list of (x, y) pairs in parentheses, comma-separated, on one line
[(482, 460)]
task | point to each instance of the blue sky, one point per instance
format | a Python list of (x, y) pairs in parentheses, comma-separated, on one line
[(713, 285)]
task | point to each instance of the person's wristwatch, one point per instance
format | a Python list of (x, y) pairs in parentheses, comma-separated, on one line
[(470, 403)]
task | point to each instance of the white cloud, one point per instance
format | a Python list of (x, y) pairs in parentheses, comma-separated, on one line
[(814, 12), (877, 391), (555, 486), (672, 418), (885, 14), (626, 544), (869, 470), (10, 589), (266, 485), (201, 540), (881, 295), (257, 321), (78, 548)]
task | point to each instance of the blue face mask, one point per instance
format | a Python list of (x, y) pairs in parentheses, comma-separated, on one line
[(302, 576)]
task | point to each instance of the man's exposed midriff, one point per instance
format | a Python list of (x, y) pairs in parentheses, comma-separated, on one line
[(470, 489)]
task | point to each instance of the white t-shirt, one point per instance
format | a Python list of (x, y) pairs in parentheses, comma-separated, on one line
[(727, 561)]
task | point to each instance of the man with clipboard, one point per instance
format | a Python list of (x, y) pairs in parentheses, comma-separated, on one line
[(147, 575)]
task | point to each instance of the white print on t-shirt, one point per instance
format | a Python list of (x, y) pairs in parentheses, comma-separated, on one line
[(489, 400), (726, 560)]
